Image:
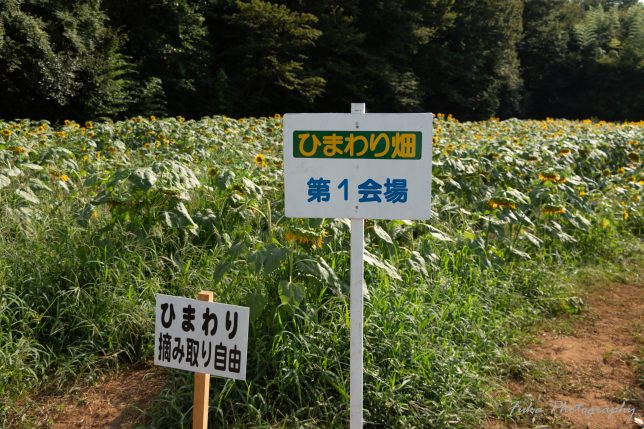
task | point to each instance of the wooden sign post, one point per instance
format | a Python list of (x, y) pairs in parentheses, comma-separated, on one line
[(202, 385)]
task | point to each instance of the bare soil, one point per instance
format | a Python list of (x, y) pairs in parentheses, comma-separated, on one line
[(115, 402), (588, 371)]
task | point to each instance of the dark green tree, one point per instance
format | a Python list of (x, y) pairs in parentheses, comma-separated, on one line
[(262, 51), (605, 4), (337, 55), (102, 73), (95, 58), (60, 59), (396, 34), (610, 77), (31, 73), (544, 56), (168, 42), (369, 51), (472, 69)]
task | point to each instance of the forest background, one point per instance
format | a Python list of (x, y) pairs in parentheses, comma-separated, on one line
[(92, 59)]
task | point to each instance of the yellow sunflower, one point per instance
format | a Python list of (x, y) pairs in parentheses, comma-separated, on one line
[(260, 160), (553, 210)]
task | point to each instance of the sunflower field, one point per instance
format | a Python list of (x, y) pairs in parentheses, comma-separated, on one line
[(98, 217)]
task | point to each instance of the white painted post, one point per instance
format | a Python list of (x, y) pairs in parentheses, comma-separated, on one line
[(355, 311)]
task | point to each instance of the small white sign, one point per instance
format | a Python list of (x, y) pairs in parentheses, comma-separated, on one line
[(201, 336), (370, 166)]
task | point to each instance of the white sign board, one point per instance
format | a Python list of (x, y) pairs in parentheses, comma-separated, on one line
[(372, 166), (201, 336)]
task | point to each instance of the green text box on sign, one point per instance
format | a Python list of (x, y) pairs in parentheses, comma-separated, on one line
[(358, 144), (370, 166)]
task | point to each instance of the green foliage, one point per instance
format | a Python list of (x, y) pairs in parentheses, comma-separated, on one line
[(478, 70), (31, 71), (575, 60), (609, 46), (61, 55), (168, 41), (102, 71), (543, 53), (598, 34), (527, 58), (145, 196), (151, 98), (265, 54), (393, 70), (338, 55)]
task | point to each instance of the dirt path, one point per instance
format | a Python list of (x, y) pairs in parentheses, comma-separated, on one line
[(588, 372), (110, 404)]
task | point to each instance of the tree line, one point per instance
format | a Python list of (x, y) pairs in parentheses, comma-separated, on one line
[(88, 59)]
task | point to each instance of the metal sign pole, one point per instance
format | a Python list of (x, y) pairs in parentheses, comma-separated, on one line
[(355, 311), (357, 166)]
